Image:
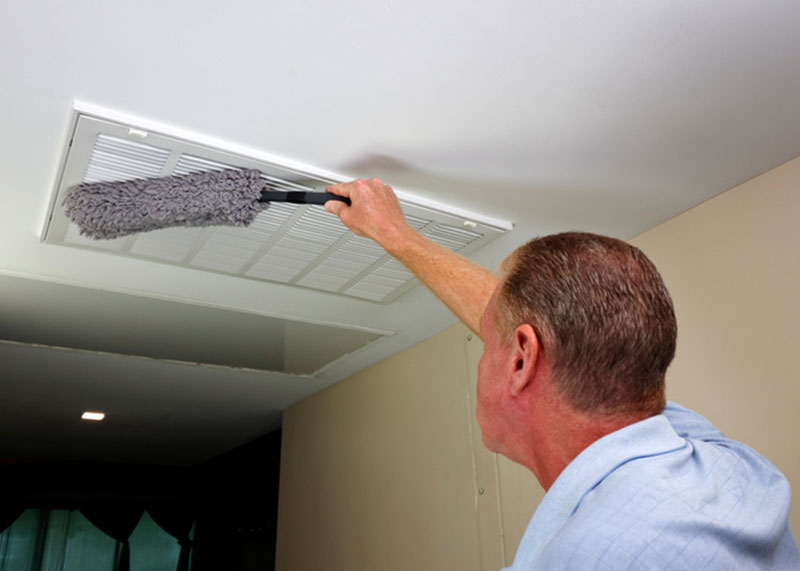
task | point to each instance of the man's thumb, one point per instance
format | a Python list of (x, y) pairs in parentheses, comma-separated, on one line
[(334, 206)]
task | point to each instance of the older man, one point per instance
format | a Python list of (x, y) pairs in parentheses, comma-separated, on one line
[(578, 334)]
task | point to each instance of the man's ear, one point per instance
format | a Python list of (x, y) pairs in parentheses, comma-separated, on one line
[(524, 355)]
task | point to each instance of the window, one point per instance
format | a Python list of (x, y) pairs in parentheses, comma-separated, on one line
[(64, 540)]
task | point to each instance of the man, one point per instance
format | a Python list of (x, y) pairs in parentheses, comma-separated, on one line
[(578, 333)]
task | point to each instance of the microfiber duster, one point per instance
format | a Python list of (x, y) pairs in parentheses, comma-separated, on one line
[(231, 197)]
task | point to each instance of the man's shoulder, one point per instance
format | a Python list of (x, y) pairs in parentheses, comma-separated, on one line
[(671, 492), (682, 545), (703, 506)]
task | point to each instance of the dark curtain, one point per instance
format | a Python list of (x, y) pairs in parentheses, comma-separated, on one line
[(9, 514), (118, 520), (177, 521)]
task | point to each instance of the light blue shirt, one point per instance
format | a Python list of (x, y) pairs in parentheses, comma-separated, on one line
[(669, 492)]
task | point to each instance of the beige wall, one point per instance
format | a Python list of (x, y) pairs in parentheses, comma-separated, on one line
[(386, 470), (733, 268)]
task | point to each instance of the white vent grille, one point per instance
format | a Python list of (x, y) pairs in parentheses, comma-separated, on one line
[(117, 159), (299, 245)]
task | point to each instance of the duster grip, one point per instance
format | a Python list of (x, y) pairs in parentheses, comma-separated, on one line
[(299, 197)]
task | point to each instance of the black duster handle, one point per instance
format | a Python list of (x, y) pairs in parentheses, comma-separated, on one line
[(297, 197)]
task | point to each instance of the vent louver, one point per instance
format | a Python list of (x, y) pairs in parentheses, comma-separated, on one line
[(303, 246)]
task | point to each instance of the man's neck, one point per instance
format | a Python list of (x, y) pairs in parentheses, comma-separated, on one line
[(561, 433)]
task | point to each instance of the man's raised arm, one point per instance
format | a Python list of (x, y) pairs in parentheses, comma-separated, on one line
[(375, 212)]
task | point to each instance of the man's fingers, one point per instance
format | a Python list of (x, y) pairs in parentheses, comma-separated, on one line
[(341, 189), (335, 206)]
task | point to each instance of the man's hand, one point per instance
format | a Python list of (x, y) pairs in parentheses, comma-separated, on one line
[(374, 212)]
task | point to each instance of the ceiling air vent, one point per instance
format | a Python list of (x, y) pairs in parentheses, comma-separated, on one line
[(300, 245)]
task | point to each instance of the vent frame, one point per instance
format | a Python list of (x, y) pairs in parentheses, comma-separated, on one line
[(278, 239)]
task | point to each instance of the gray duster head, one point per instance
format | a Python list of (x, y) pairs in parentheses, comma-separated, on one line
[(112, 209)]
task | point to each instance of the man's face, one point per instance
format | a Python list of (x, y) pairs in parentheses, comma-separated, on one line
[(491, 370)]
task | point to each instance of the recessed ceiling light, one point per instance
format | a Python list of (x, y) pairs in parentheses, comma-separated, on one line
[(96, 416)]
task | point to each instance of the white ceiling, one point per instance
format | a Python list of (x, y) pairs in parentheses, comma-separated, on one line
[(608, 117)]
